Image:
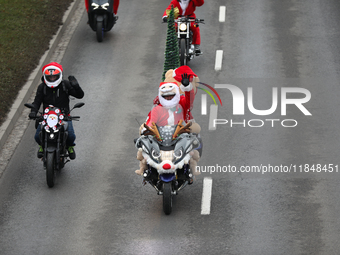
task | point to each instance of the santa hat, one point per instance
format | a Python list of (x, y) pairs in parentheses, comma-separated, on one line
[(52, 65), (168, 83), (177, 73)]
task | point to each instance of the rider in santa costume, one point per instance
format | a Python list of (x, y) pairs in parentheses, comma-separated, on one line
[(173, 106), (171, 109), (187, 8)]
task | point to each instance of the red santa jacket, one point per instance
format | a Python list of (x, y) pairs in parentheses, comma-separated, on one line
[(163, 116), (189, 10)]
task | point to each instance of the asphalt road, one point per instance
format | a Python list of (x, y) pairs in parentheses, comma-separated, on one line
[(99, 206)]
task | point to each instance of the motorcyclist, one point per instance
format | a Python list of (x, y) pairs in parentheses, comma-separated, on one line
[(55, 91), (170, 111), (187, 8)]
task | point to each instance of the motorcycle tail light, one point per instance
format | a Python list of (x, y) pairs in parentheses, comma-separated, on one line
[(95, 6), (104, 6)]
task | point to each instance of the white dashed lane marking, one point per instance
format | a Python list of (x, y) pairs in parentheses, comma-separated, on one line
[(222, 14), (218, 60), (206, 196)]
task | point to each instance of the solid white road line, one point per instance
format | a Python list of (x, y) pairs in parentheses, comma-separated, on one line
[(204, 104), (206, 196), (222, 14), (213, 116), (218, 60)]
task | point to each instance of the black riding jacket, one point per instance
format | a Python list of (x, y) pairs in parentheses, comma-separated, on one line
[(58, 97)]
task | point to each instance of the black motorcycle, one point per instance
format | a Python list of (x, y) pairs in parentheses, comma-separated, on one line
[(53, 137), (184, 35), (101, 17)]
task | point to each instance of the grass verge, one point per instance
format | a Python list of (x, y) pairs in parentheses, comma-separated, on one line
[(26, 28)]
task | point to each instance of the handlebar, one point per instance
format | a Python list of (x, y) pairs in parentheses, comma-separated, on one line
[(188, 19), (38, 117), (74, 118), (66, 118)]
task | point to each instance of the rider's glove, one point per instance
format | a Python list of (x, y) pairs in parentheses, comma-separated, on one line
[(165, 19), (32, 115), (185, 79), (73, 82)]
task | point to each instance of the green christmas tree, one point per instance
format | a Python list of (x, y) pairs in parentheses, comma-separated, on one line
[(172, 60)]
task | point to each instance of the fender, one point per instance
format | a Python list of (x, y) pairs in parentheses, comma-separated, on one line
[(100, 18), (167, 177), (51, 149)]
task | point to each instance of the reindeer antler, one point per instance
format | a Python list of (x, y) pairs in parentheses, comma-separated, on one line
[(153, 130), (180, 129)]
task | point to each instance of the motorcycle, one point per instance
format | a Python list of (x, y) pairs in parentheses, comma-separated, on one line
[(167, 150), (184, 35), (101, 17), (53, 137)]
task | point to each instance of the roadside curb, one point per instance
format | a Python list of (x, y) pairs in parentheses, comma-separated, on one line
[(34, 78)]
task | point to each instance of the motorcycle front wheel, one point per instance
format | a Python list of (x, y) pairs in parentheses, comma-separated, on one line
[(183, 53), (167, 198), (50, 167)]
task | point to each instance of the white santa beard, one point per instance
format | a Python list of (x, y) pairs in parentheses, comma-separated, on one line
[(184, 5), (169, 103)]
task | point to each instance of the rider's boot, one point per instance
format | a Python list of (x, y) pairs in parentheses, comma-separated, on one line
[(198, 50), (71, 152), (115, 17), (40, 153)]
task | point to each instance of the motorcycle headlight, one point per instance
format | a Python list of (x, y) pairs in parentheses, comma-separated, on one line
[(155, 154), (178, 154), (52, 136), (183, 27)]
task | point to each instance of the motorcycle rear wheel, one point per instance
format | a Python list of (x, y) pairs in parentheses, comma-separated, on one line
[(100, 31), (50, 167), (167, 198), (183, 52)]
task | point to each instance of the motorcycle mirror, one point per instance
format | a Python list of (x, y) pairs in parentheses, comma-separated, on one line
[(78, 105), (31, 106)]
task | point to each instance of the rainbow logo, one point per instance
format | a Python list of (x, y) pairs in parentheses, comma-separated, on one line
[(209, 93)]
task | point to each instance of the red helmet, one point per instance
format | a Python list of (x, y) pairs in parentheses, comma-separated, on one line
[(53, 74)]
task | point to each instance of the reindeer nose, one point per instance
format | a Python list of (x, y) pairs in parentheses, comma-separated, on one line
[(166, 166)]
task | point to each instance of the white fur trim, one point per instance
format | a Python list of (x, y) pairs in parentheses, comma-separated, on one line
[(180, 164), (187, 88), (174, 73), (171, 119), (171, 84), (159, 167)]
